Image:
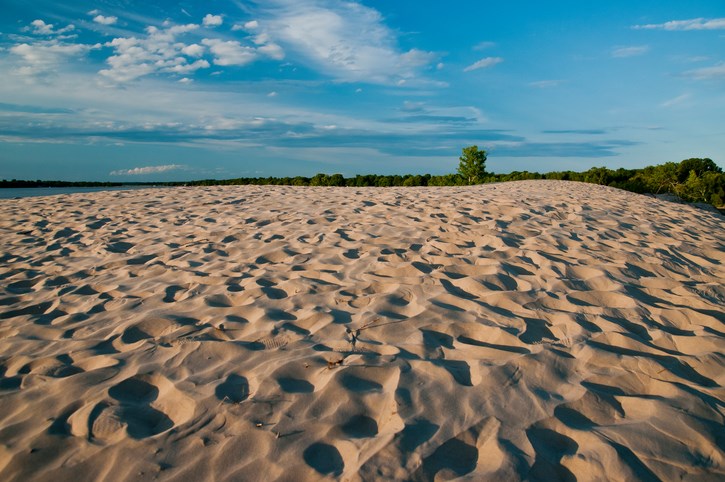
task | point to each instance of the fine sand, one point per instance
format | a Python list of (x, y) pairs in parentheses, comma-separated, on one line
[(536, 330)]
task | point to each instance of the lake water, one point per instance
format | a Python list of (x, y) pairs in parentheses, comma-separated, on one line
[(12, 193)]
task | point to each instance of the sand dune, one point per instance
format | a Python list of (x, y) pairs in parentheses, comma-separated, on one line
[(537, 330)]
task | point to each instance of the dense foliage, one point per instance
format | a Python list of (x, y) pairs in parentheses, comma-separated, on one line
[(693, 180)]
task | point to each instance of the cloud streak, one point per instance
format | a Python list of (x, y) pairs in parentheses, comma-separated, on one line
[(691, 24), (631, 51), (676, 100), (545, 84), (716, 72), (483, 64), (140, 171)]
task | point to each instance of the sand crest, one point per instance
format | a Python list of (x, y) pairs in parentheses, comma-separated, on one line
[(536, 330)]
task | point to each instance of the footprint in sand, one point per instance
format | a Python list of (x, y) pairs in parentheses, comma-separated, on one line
[(359, 384), (56, 367), (234, 389), (360, 426), (141, 406), (324, 458), (295, 385), (150, 328), (454, 458)]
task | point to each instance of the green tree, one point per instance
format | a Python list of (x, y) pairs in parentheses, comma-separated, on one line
[(320, 179), (698, 165), (336, 180), (658, 179), (597, 175), (472, 166)]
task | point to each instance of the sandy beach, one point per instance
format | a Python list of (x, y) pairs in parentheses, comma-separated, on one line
[(534, 330)]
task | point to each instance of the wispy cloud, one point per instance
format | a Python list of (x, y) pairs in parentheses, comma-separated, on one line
[(631, 51), (484, 45), (716, 72), (139, 171), (576, 131), (545, 84), (45, 55), (691, 24), (483, 63), (676, 100), (344, 40)]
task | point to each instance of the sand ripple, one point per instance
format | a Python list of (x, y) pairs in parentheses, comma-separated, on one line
[(537, 330)]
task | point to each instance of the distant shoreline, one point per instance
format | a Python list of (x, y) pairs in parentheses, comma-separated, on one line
[(24, 192)]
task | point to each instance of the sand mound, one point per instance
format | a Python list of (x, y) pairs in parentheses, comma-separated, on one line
[(537, 330)]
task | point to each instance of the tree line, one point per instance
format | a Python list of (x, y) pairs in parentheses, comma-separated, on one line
[(693, 180)]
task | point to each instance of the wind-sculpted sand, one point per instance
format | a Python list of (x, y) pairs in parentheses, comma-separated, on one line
[(535, 330)]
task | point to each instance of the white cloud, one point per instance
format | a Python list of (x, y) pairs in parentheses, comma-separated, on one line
[(186, 68), (193, 50), (158, 51), (483, 63), (186, 80), (716, 72), (692, 24), (633, 51), (251, 25), (345, 40), (103, 20), (46, 56), (137, 171), (272, 50), (230, 52), (212, 20), (39, 27), (417, 58), (272, 94), (267, 47)]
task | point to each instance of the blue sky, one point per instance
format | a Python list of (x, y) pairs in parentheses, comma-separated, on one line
[(122, 90)]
